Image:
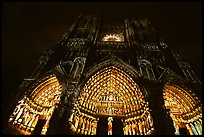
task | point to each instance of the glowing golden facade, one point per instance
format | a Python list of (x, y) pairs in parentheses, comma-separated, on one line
[(103, 79), (112, 92)]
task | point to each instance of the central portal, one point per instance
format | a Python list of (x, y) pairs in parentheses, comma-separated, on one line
[(111, 103)]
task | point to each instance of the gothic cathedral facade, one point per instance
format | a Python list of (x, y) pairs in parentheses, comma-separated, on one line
[(109, 79)]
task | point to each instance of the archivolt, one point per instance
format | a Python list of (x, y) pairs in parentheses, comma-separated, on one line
[(115, 81), (185, 109)]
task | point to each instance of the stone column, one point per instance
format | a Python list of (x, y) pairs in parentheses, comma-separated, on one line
[(162, 121)]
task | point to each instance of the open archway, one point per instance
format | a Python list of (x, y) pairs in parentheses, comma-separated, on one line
[(111, 94)]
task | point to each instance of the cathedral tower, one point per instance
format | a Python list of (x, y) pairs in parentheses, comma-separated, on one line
[(109, 79)]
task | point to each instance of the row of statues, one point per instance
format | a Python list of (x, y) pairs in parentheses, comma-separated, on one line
[(83, 124), (142, 125)]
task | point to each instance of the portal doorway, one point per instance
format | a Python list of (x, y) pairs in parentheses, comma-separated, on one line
[(117, 126), (102, 126), (109, 96), (39, 127)]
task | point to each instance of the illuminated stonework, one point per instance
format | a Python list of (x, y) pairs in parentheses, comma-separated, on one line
[(112, 92), (184, 109), (113, 37), (40, 104), (112, 79)]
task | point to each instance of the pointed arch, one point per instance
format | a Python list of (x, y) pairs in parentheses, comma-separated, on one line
[(185, 109), (38, 104), (111, 92), (112, 80), (113, 60)]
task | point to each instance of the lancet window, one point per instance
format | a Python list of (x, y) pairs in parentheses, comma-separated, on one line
[(146, 69)]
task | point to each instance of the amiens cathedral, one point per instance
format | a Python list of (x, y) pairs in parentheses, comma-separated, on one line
[(108, 79)]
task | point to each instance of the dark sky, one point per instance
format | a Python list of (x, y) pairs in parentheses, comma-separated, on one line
[(30, 28)]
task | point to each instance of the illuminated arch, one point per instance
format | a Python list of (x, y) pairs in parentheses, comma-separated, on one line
[(111, 92), (184, 109), (40, 104)]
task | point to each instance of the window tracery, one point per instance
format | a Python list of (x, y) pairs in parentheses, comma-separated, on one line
[(146, 69)]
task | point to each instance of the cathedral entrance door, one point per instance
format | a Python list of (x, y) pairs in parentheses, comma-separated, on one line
[(117, 126), (39, 127), (102, 126)]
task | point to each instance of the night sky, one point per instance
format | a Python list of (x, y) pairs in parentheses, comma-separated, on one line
[(28, 29)]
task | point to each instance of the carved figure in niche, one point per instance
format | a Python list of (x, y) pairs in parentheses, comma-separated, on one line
[(110, 119)]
